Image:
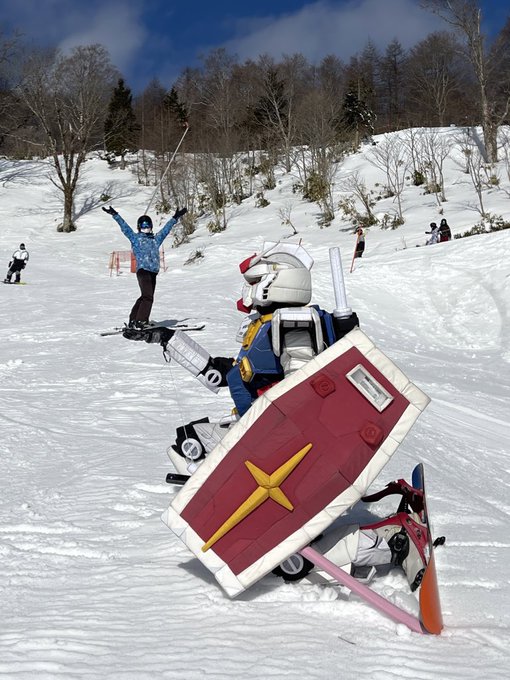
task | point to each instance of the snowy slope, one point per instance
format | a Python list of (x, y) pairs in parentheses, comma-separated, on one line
[(93, 585)]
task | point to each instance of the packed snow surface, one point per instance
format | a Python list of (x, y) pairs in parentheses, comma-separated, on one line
[(92, 583)]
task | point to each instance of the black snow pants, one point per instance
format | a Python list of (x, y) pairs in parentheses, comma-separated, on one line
[(15, 268), (142, 307)]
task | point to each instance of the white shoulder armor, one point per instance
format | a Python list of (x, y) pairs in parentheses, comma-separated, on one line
[(297, 336), (298, 318)]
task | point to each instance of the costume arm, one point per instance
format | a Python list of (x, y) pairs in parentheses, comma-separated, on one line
[(210, 371)]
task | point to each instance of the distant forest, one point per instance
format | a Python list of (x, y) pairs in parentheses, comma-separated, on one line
[(231, 105), (63, 106)]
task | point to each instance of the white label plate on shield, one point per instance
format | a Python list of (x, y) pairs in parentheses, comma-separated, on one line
[(369, 387)]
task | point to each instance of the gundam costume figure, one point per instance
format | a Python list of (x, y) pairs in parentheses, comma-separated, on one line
[(281, 334)]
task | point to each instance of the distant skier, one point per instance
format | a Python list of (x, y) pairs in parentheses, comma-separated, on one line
[(434, 234), (360, 243), (18, 262), (445, 233), (145, 245)]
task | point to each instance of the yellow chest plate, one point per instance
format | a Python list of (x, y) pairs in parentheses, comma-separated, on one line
[(253, 329)]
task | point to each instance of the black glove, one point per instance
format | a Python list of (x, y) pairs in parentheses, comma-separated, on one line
[(344, 325), (179, 213), (158, 335), (110, 210), (217, 369)]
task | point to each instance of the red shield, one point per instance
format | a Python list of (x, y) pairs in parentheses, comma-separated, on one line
[(303, 454)]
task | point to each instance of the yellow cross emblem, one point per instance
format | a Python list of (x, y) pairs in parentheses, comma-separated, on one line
[(268, 487)]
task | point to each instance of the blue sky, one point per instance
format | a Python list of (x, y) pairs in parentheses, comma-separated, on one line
[(157, 38)]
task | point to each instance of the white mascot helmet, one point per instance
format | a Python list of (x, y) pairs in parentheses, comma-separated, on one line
[(280, 274)]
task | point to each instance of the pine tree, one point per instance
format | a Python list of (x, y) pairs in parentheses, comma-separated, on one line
[(174, 106), (121, 128), (357, 117)]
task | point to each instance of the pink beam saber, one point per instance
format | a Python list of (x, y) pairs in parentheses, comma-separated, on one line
[(345, 579)]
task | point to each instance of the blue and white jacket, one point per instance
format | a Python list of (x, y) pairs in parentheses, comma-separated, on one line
[(145, 246)]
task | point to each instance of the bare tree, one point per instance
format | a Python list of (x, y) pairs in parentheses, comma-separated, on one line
[(391, 78), (356, 186), (412, 139), (211, 169), (18, 136), (154, 134), (505, 139), (284, 213), (68, 96), (474, 164), (183, 190), (8, 47), (432, 149), (280, 87), (392, 156), (219, 98), (435, 79), (317, 120), (466, 17)]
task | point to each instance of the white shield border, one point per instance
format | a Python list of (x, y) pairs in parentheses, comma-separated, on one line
[(234, 584)]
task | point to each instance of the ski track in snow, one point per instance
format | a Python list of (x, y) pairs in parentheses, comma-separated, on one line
[(93, 585)]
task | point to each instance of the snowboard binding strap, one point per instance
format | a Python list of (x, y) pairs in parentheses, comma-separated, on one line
[(411, 498)]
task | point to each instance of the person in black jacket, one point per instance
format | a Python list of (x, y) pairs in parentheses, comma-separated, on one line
[(445, 233), (18, 262)]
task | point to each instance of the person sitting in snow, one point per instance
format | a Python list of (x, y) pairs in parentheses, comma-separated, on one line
[(445, 233), (434, 234), (280, 335), (145, 245), (18, 262)]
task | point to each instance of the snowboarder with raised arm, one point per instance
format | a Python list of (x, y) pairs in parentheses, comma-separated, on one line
[(145, 245), (18, 262), (434, 234)]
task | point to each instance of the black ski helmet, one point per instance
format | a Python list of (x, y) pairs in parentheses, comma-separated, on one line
[(144, 221), (22, 246)]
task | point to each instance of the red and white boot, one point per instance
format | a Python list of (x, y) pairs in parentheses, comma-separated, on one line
[(407, 538)]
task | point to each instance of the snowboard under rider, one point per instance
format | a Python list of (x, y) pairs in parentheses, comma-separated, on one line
[(276, 296), (145, 245), (18, 262)]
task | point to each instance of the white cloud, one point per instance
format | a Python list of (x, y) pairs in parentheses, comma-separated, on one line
[(324, 28), (116, 24), (117, 27)]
